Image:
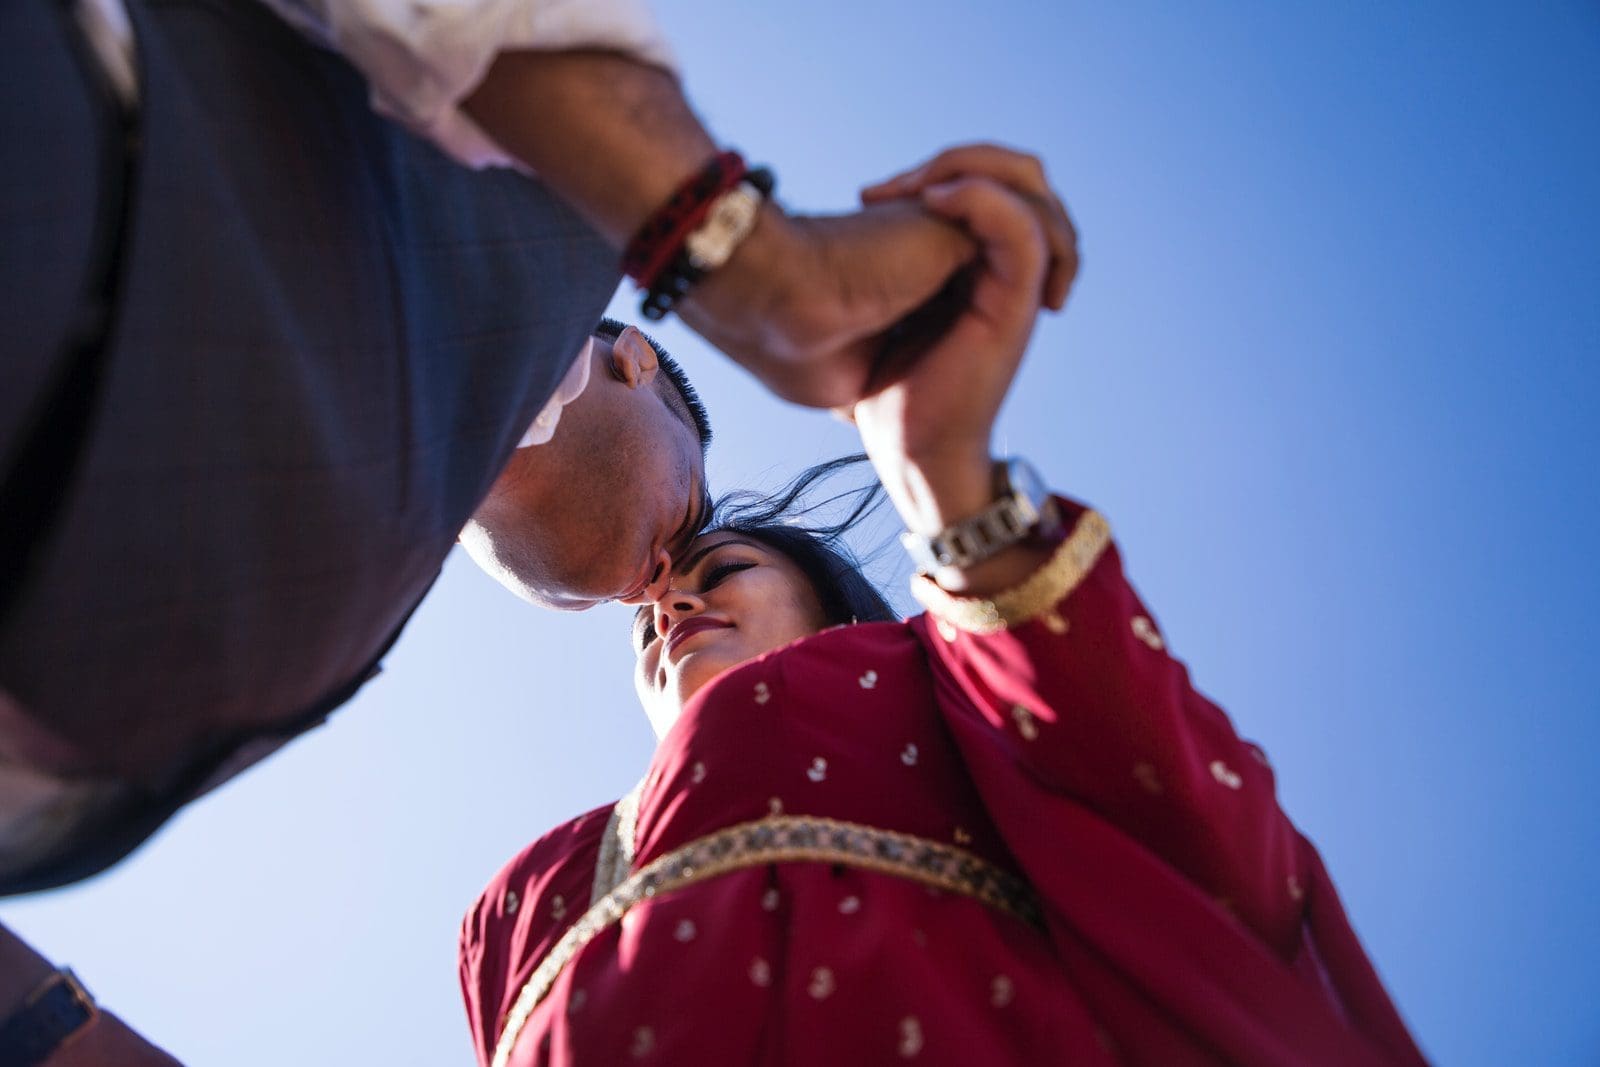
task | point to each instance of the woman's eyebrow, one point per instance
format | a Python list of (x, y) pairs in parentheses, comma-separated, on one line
[(694, 558)]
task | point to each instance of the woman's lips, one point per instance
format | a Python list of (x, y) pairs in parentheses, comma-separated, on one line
[(686, 629)]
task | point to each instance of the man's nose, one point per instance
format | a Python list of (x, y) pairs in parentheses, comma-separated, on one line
[(660, 581)]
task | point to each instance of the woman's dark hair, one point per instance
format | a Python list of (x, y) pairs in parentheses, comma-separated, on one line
[(787, 522)]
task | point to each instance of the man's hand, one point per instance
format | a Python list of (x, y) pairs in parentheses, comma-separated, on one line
[(805, 302)]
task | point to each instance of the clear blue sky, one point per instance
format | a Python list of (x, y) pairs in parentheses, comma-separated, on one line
[(1331, 372)]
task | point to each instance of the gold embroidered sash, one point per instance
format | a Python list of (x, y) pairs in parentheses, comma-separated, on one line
[(776, 839)]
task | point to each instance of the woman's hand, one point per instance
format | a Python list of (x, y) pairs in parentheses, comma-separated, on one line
[(1020, 172), (928, 434)]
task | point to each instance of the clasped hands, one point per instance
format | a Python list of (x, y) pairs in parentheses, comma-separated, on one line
[(806, 302)]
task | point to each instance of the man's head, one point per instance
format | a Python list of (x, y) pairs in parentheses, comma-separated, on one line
[(598, 511)]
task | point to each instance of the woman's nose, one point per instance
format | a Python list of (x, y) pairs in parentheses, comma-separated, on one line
[(674, 606)]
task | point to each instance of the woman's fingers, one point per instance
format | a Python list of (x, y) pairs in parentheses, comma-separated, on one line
[(1014, 248), (1023, 174), (1019, 170)]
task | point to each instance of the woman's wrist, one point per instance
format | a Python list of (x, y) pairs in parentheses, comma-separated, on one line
[(935, 490)]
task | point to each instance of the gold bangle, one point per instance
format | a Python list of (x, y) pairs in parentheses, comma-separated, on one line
[(1065, 571)]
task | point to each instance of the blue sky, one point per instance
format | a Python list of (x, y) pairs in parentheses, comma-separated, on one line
[(1330, 370)]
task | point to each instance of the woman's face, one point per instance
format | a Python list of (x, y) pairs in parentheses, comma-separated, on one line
[(731, 599)]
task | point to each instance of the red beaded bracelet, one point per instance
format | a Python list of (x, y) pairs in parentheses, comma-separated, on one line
[(661, 236)]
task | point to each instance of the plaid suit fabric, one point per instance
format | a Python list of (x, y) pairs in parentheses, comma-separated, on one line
[(327, 341)]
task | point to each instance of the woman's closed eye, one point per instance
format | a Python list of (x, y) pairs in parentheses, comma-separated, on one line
[(715, 575), (719, 573)]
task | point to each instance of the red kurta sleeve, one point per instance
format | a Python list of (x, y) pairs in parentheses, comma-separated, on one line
[(519, 916), (1073, 672), (1131, 800)]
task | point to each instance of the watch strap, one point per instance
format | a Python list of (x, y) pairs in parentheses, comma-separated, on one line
[(52, 1015), (1021, 509)]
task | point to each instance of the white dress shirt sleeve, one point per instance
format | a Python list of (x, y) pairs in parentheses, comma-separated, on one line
[(423, 57)]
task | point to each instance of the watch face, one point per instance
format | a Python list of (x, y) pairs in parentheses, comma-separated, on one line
[(1025, 480)]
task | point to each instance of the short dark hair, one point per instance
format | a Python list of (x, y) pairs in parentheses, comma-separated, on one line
[(611, 329), (784, 521)]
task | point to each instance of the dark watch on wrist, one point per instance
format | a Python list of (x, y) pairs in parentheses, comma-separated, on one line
[(52, 1015), (1023, 509)]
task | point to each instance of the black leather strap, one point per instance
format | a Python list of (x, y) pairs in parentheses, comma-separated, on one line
[(55, 1012)]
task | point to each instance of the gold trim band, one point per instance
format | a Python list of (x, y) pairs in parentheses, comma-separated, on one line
[(1042, 589), (776, 839)]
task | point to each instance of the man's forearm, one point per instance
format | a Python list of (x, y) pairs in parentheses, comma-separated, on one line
[(615, 138), (610, 135)]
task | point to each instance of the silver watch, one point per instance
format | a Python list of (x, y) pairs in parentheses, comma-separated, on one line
[(1024, 506)]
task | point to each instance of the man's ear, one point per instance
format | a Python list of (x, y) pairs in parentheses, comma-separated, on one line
[(632, 358)]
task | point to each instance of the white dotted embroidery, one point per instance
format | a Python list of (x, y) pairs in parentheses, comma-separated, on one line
[(760, 972), (1001, 990), (1259, 756), (910, 1037), (769, 900), (558, 907), (908, 755), (763, 694), (1055, 623), (1027, 725), (685, 931), (868, 680), (576, 1001), (644, 1042), (946, 631), (512, 902), (774, 805), (849, 905), (1145, 630), (822, 985), (962, 837), (1146, 775), (818, 769), (697, 773), (1225, 775), (1297, 892)]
